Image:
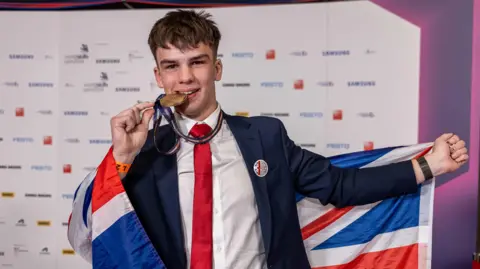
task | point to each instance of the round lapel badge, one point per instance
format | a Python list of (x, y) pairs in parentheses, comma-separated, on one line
[(261, 168)]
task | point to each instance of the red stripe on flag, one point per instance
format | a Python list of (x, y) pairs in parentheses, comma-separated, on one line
[(323, 221), (393, 258), (107, 183), (423, 153)]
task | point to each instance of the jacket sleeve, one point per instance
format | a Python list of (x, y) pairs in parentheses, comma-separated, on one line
[(80, 221), (316, 177)]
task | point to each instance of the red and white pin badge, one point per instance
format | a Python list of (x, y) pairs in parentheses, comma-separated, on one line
[(261, 168)]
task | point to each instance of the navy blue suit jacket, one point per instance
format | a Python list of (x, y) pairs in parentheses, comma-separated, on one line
[(152, 186)]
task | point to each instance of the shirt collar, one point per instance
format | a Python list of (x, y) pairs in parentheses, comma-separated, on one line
[(186, 124)]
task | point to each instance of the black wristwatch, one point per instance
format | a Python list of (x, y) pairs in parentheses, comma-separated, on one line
[(427, 173)]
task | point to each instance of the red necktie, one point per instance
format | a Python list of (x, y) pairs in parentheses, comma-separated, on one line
[(202, 253)]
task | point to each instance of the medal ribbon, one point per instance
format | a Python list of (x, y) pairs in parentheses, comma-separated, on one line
[(160, 111)]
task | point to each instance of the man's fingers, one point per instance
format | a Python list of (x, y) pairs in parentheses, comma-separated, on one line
[(445, 137), (453, 139), (147, 116), (142, 106), (459, 152), (462, 159), (126, 122)]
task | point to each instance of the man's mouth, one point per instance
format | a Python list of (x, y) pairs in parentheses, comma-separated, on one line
[(190, 92)]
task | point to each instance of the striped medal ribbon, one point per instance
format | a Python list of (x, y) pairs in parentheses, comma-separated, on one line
[(166, 112)]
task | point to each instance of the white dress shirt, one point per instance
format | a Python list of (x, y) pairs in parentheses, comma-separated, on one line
[(237, 237)]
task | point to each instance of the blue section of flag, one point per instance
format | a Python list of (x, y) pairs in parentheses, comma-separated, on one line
[(388, 216), (87, 202), (124, 245)]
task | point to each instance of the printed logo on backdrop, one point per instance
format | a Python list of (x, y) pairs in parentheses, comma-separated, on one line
[(44, 251), (369, 145), (275, 114), (298, 84), (338, 145), (75, 113), (1, 139), (311, 114), (337, 114), (23, 140), (134, 55), (89, 168), (272, 84), (67, 168), (236, 85), (270, 54), (72, 140), (361, 83), (328, 53), (45, 112), (127, 89), (68, 252), (2, 221), (2, 111), (366, 115), (10, 167), (370, 51), (43, 223), (11, 84), (307, 145), (41, 168), (67, 196), (7, 194), (21, 223), (18, 249), (21, 56), (325, 83), (248, 55), (47, 140), (299, 53), (98, 86), (100, 141), (38, 195), (242, 114), (40, 85), (19, 112), (78, 58)]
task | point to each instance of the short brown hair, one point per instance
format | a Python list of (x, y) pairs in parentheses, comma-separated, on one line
[(184, 29)]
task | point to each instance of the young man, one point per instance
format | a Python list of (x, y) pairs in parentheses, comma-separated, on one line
[(230, 203)]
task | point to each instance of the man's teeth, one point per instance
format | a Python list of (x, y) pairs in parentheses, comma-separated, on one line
[(190, 92)]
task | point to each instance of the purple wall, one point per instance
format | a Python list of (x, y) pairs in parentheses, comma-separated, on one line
[(449, 102)]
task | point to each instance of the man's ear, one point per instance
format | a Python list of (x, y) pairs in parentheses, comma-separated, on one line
[(158, 78), (218, 70)]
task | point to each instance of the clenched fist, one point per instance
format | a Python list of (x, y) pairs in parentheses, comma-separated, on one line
[(129, 131)]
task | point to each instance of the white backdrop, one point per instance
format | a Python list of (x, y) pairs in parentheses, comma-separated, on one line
[(344, 77)]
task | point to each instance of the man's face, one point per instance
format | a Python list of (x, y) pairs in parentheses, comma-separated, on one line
[(193, 72)]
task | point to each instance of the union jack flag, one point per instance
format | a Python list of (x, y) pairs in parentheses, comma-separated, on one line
[(394, 233)]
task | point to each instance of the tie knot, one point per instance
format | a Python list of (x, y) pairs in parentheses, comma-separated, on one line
[(200, 130)]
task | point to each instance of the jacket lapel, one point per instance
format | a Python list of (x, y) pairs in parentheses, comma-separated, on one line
[(166, 179), (248, 139)]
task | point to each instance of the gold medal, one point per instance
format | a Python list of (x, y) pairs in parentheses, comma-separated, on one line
[(174, 99)]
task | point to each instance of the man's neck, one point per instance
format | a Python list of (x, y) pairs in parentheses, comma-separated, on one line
[(205, 114)]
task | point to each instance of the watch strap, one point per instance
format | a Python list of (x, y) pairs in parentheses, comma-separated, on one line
[(427, 172)]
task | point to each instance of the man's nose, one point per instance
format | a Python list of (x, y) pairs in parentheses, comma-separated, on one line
[(186, 74)]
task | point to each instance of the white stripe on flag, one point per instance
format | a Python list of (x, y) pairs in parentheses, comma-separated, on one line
[(110, 213), (310, 209), (338, 225), (400, 154), (342, 255)]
